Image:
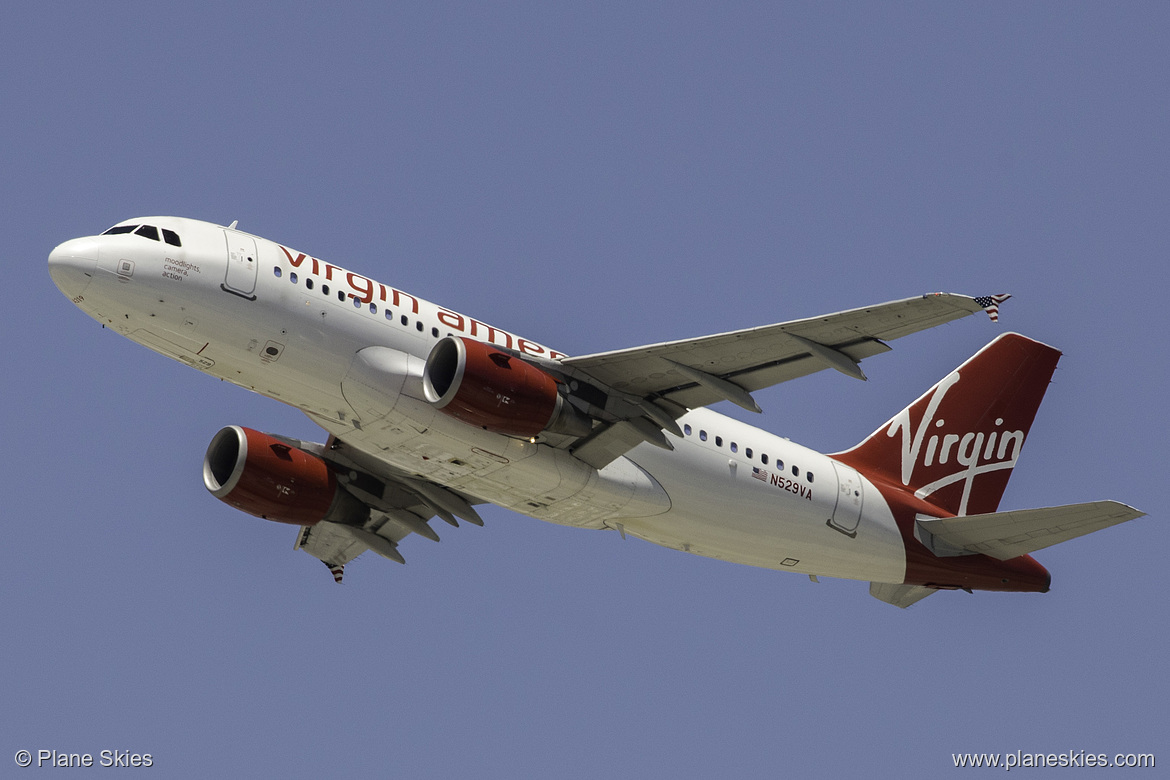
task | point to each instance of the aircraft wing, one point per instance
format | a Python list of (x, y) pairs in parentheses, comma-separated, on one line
[(656, 384), (399, 504)]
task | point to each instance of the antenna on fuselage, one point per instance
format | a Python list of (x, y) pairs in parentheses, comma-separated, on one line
[(233, 225)]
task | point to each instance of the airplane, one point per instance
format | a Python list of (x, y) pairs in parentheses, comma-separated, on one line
[(431, 412)]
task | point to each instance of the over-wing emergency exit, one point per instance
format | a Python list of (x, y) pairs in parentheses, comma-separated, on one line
[(430, 412)]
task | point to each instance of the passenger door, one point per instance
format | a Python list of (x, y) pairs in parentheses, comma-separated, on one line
[(241, 267)]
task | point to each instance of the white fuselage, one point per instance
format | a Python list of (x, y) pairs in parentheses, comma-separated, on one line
[(241, 308)]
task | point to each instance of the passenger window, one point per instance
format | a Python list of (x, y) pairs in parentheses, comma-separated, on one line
[(293, 277), (276, 271), (780, 465), (734, 447), (764, 459), (795, 471), (341, 296), (718, 441), (357, 302), (324, 289), (116, 229), (404, 320), (390, 315), (147, 231), (748, 451), (702, 436), (435, 332), (808, 476), (171, 237), (687, 429), (373, 308), (309, 283), (418, 326)]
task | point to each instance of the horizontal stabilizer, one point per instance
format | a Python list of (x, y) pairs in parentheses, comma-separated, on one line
[(1006, 535), (899, 595)]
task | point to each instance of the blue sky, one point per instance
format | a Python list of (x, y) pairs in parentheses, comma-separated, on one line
[(593, 176)]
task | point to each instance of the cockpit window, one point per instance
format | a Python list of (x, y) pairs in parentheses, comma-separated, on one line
[(146, 231)]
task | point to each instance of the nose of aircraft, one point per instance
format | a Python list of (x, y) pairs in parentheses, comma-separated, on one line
[(73, 265)]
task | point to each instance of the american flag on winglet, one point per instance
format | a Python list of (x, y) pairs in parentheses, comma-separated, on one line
[(759, 474), (336, 571), (990, 304)]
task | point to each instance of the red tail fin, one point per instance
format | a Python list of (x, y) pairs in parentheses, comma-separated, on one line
[(955, 447)]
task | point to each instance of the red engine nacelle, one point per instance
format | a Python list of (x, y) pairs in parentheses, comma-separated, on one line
[(491, 389), (265, 477)]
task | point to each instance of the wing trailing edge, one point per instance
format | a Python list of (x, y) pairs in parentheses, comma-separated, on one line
[(396, 504)]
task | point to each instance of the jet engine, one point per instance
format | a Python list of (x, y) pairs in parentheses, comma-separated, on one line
[(263, 476), (484, 386)]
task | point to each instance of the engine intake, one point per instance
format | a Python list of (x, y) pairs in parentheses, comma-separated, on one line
[(497, 391), (261, 475)]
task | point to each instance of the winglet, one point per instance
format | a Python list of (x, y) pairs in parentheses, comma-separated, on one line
[(990, 304), (336, 570)]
